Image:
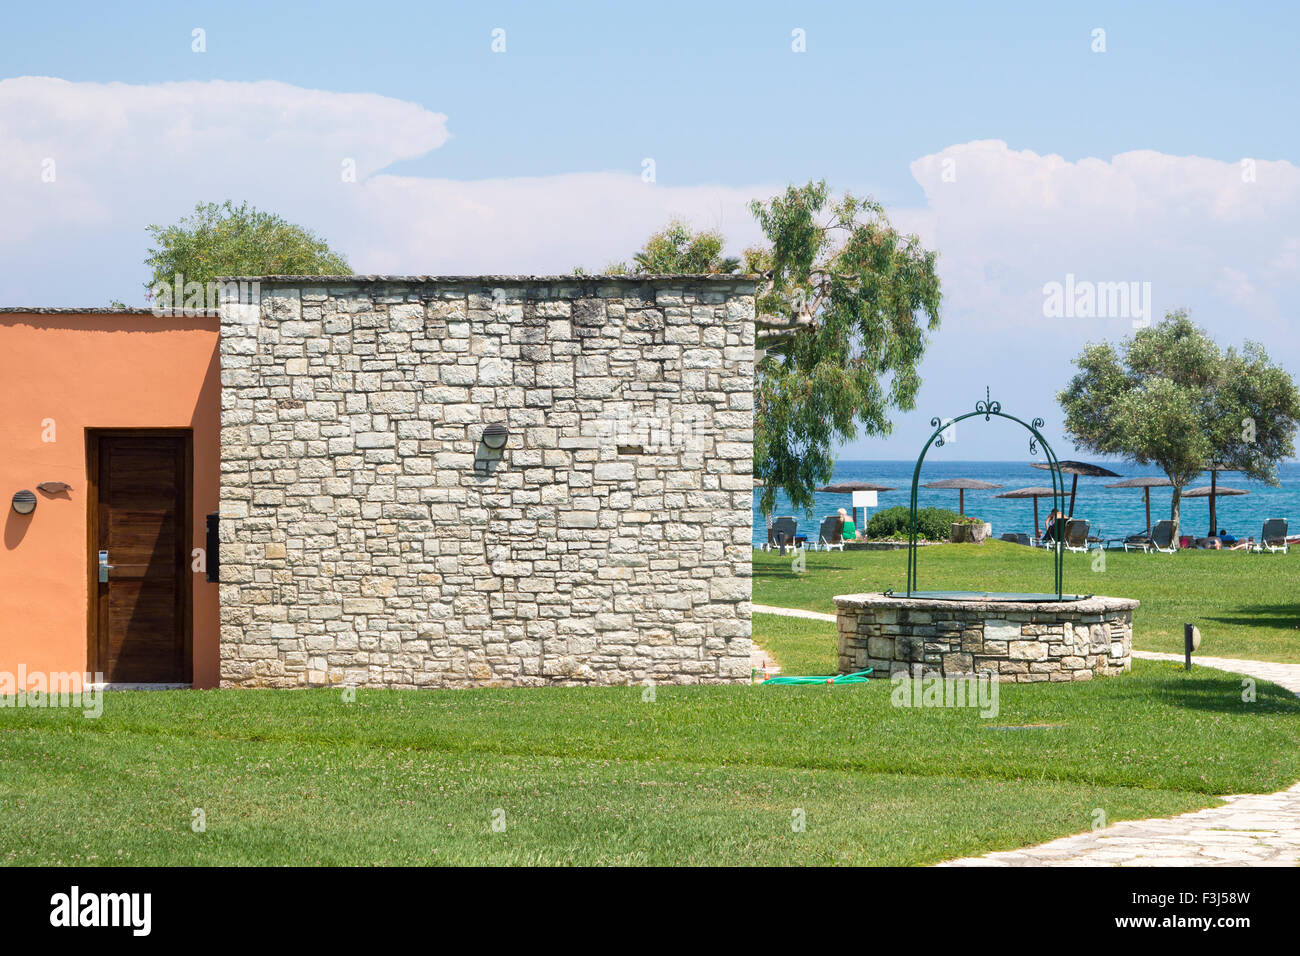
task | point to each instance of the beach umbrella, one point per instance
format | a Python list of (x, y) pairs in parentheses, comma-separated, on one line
[(848, 487), (1212, 491), (1077, 468), (1146, 483), (962, 485), (1036, 492)]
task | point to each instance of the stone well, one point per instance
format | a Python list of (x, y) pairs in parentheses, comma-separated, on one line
[(1019, 641)]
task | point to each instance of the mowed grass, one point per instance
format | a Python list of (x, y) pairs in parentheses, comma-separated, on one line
[(694, 775), (1246, 605)]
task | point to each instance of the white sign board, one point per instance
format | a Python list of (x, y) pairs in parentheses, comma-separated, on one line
[(864, 499)]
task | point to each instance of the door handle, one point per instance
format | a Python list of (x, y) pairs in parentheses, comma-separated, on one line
[(104, 567)]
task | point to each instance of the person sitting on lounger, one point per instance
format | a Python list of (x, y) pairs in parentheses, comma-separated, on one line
[(1055, 527), (849, 531)]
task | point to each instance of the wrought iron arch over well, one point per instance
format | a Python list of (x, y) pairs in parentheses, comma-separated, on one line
[(988, 409)]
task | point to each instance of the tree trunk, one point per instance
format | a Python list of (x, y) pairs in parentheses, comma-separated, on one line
[(1214, 528), (1174, 509)]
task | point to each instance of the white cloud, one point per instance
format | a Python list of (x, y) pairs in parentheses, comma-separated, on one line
[(1010, 221), (126, 156), (535, 224), (120, 148)]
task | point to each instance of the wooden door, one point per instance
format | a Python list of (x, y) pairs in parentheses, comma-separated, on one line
[(140, 616)]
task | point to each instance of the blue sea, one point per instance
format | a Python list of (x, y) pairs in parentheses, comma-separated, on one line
[(1114, 512)]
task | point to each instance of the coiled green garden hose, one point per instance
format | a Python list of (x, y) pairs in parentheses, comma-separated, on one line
[(859, 678)]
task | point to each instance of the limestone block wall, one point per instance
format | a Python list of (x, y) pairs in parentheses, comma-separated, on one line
[(1020, 642), (370, 537)]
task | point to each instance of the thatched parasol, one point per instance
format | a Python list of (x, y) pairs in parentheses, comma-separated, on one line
[(962, 485), (1077, 468), (1035, 492), (1146, 483), (1213, 491), (848, 487)]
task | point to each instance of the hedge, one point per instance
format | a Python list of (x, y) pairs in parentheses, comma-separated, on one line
[(933, 524)]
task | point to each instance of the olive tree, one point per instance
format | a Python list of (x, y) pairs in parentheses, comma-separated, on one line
[(1169, 396)]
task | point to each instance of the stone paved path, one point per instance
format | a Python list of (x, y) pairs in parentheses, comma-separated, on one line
[(793, 612), (1248, 830)]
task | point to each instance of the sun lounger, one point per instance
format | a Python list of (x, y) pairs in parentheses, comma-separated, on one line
[(1162, 537), (830, 535), (783, 532), (1138, 542), (1273, 537), (1076, 535)]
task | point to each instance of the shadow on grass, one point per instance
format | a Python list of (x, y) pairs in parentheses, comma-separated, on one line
[(1283, 616), (781, 567), (1208, 689)]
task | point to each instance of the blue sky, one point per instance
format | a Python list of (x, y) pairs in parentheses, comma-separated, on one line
[(1114, 166)]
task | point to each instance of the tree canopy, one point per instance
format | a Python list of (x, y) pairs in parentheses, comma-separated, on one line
[(842, 330), (225, 239), (678, 249), (1170, 396)]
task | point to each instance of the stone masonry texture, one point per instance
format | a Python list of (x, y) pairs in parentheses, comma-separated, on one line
[(1020, 642), (370, 537)]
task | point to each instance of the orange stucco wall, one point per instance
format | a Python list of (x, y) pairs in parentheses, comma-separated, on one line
[(85, 371)]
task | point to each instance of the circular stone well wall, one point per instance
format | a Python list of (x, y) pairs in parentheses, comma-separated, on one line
[(1019, 641)]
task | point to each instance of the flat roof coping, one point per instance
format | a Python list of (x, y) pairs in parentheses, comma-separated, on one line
[(102, 310), (658, 279)]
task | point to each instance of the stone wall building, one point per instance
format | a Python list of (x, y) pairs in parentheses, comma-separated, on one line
[(371, 536)]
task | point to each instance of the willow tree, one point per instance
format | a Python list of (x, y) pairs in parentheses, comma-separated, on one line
[(1169, 396), (842, 328)]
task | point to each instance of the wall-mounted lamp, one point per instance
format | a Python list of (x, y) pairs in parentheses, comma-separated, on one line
[(495, 436), (24, 502), (493, 439)]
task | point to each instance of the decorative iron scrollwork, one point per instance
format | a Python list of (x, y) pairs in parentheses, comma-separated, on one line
[(988, 406), (1033, 442), (935, 423)]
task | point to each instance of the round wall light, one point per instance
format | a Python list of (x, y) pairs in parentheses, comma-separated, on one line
[(24, 502), (495, 436)]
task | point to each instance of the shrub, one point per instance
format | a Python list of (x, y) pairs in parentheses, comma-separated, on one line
[(933, 524)]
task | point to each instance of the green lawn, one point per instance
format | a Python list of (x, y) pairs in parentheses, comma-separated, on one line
[(1246, 605), (601, 775)]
